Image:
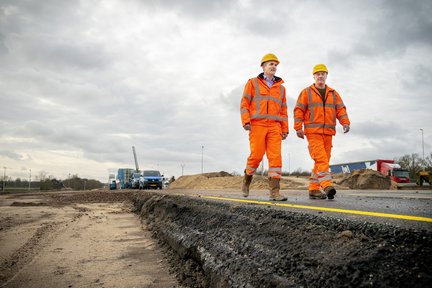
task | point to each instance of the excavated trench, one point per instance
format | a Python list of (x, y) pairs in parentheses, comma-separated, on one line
[(217, 244)]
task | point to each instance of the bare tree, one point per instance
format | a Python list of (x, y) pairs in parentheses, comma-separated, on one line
[(413, 163)]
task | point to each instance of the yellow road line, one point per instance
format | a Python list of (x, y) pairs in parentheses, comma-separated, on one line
[(337, 210)]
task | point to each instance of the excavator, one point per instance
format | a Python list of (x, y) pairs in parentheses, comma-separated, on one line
[(423, 176)]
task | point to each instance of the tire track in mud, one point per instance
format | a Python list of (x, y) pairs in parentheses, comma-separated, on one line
[(41, 237), (214, 244), (26, 253)]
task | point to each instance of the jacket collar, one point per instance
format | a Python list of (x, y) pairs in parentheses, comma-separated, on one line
[(276, 78), (328, 89)]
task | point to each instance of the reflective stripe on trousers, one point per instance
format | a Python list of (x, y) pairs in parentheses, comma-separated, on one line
[(320, 151), (264, 139)]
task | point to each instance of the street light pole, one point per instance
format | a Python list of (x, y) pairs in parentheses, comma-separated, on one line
[(202, 159), (422, 143)]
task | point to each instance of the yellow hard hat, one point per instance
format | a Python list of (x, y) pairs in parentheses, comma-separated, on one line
[(319, 68), (269, 57)]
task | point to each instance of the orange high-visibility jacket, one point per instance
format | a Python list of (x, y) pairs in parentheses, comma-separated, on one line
[(264, 106), (319, 116)]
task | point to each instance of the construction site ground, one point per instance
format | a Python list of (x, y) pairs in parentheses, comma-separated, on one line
[(201, 233)]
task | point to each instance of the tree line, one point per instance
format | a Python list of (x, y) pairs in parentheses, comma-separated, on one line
[(51, 183), (414, 163)]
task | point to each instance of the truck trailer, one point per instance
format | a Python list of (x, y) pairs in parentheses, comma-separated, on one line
[(123, 175), (385, 167)]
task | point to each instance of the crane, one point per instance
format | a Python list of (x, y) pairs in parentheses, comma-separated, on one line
[(135, 157)]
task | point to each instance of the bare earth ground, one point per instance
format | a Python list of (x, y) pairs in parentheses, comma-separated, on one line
[(47, 242), (93, 239)]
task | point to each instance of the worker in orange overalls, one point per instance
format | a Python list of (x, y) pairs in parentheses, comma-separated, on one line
[(317, 108), (264, 115)]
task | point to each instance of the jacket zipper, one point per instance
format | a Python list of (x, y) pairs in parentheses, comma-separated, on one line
[(324, 101)]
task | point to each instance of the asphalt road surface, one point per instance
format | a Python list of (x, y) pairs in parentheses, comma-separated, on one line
[(404, 208)]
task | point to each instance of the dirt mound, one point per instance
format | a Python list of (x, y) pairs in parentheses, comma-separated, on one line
[(363, 179), (224, 180), (217, 174), (358, 179)]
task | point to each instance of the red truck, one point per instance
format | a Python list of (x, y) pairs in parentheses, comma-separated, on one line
[(386, 167), (393, 170)]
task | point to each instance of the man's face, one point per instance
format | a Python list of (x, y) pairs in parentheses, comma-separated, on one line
[(320, 78), (270, 67)]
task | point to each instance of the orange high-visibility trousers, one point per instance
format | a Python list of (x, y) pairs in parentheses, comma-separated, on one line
[(265, 139), (320, 151)]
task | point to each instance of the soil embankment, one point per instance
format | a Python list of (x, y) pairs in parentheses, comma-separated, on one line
[(358, 179), (224, 180)]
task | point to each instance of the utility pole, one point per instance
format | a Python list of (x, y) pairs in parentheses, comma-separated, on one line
[(202, 159), (182, 166), (289, 163), (423, 164), (422, 143), (29, 179), (4, 177)]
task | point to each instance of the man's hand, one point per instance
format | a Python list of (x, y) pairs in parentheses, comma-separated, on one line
[(284, 135), (247, 127), (346, 128), (300, 133)]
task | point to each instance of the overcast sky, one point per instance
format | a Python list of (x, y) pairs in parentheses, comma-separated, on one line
[(81, 82)]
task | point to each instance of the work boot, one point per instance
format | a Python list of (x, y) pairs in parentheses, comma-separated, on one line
[(317, 194), (330, 191), (246, 183), (274, 190)]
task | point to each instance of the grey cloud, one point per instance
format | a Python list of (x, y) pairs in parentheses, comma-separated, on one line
[(59, 53), (373, 130), (11, 155), (232, 99), (41, 34), (267, 26), (3, 49), (194, 8), (395, 26), (419, 76), (406, 23), (33, 16)]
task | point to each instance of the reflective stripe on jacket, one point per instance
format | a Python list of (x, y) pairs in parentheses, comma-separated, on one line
[(261, 105), (318, 115)]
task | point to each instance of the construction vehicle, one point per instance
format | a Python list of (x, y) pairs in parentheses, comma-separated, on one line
[(123, 175), (135, 176), (135, 158), (112, 185), (394, 171), (423, 176), (385, 167)]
